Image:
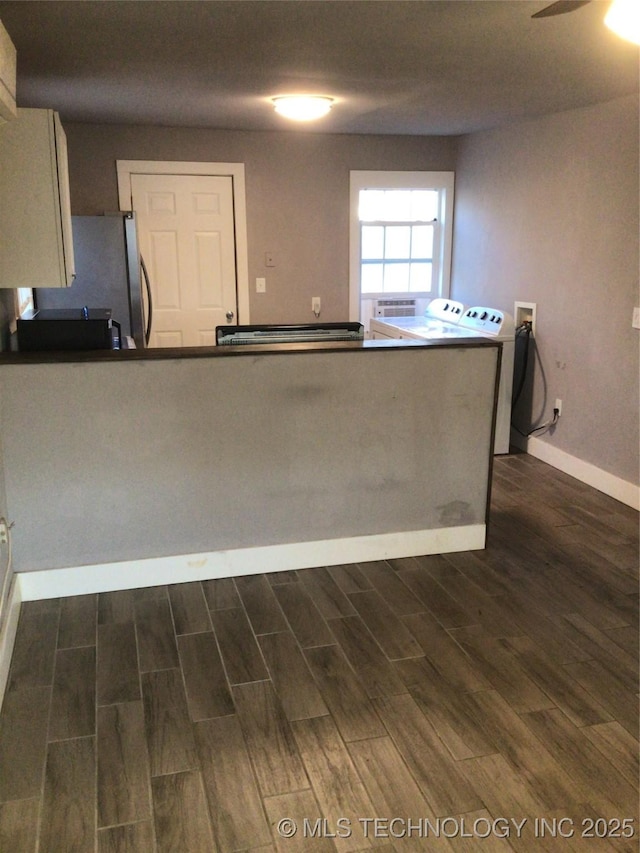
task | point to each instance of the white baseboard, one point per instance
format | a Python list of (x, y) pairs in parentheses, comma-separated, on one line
[(8, 633), (623, 491), (133, 574)]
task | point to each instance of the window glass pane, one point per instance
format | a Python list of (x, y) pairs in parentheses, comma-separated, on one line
[(371, 205), (372, 241), (422, 241), (371, 278), (424, 205), (396, 278), (420, 278), (397, 205), (397, 241)]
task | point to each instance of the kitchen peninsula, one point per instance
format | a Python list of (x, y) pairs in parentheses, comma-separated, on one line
[(142, 467)]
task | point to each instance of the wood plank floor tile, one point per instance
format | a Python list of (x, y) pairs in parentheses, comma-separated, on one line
[(446, 710), (480, 571), (308, 626), (221, 593), (285, 576), (330, 600), (23, 742), (446, 790), (116, 606), (377, 675), (579, 705), (238, 646), (118, 679), (347, 701), (501, 669), (291, 677), (73, 700), (594, 775), (189, 608), (618, 745), (263, 610), (601, 646), (349, 578), (208, 693), (129, 838), (504, 792), (68, 821), (610, 690), (335, 781), (626, 638), (156, 636), (181, 814), (536, 765), (445, 654), (393, 790), (232, 792), (19, 825), (167, 725), (387, 582), (269, 738), (435, 598), (34, 648), (390, 633), (123, 765), (551, 632), (78, 619), (297, 808)]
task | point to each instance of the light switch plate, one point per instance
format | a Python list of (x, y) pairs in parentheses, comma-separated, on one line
[(261, 285), (635, 321)]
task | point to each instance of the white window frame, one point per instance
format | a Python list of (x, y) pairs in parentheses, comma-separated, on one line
[(441, 181)]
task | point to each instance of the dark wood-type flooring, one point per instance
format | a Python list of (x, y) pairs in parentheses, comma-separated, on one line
[(459, 702)]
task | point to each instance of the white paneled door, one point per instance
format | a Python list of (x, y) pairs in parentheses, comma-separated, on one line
[(186, 235)]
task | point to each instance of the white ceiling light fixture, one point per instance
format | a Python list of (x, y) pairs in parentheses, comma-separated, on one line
[(302, 107), (623, 18)]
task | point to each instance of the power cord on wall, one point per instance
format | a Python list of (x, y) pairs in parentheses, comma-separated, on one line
[(527, 328)]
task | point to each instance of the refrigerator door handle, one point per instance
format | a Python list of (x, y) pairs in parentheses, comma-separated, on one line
[(145, 275)]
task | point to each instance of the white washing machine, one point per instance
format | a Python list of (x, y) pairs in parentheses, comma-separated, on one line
[(446, 320)]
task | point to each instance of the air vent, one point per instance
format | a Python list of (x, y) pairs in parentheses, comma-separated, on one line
[(395, 308)]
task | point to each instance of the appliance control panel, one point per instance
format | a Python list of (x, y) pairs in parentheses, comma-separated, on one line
[(447, 310), (489, 321)]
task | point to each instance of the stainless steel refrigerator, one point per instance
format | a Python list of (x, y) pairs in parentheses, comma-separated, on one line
[(109, 274)]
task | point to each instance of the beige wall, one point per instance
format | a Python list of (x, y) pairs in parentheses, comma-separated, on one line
[(297, 197), (547, 212)]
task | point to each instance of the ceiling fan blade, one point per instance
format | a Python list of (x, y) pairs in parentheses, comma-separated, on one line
[(560, 8)]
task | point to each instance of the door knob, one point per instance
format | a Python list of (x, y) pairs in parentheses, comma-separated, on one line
[(229, 316)]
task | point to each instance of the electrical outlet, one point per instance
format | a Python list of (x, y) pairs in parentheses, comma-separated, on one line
[(558, 406), (4, 532), (315, 305)]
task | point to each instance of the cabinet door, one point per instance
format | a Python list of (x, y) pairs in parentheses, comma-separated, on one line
[(36, 249)]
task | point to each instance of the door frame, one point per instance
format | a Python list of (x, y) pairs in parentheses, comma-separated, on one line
[(127, 168)]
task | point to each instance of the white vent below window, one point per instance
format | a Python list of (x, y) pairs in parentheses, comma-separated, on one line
[(395, 308)]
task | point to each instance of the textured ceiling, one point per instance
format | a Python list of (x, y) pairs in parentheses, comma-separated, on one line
[(420, 67)]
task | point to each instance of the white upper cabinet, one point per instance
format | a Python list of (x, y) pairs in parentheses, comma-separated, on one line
[(7, 76), (36, 248)]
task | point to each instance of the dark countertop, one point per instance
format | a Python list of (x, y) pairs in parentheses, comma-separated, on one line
[(169, 353)]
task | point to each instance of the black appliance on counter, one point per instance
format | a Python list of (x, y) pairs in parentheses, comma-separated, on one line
[(68, 329), (305, 333)]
